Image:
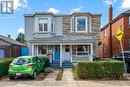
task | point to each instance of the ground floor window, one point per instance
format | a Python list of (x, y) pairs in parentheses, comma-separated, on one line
[(67, 48), (81, 50), (42, 49)]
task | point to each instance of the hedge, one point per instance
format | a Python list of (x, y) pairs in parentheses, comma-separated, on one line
[(4, 65), (46, 60), (99, 70)]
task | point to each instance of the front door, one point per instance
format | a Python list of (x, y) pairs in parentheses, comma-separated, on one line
[(57, 52), (67, 53)]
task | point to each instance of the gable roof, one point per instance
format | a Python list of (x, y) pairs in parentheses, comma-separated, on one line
[(10, 40), (115, 19)]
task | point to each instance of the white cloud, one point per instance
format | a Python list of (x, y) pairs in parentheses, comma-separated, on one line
[(21, 30), (125, 4), (109, 2), (53, 10), (76, 9)]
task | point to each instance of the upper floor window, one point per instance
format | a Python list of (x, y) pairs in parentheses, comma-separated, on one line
[(105, 33), (129, 45), (129, 21), (81, 24), (52, 25), (43, 24)]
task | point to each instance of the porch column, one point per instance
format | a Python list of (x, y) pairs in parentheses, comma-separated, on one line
[(71, 53), (60, 55), (32, 49), (37, 50), (91, 58)]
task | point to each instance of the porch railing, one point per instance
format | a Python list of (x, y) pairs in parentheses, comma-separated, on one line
[(76, 58)]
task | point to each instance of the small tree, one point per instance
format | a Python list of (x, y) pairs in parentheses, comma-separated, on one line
[(21, 38)]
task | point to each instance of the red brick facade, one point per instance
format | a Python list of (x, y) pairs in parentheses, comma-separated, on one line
[(109, 44)]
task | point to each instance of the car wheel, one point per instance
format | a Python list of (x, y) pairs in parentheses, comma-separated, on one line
[(34, 75), (11, 78)]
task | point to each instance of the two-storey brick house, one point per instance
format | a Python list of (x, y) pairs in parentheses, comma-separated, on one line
[(110, 45), (72, 37)]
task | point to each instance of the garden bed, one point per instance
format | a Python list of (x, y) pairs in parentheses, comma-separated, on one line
[(44, 74)]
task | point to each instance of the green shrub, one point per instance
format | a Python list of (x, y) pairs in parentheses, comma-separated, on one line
[(99, 70), (46, 61), (4, 65)]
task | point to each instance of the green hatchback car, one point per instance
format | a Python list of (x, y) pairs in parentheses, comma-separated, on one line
[(25, 66)]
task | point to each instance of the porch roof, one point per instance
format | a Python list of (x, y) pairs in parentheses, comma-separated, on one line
[(64, 39)]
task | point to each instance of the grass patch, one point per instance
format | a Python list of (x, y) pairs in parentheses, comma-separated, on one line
[(59, 75), (45, 73), (43, 76), (74, 74)]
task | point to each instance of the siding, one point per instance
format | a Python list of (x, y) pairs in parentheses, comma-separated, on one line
[(29, 28), (58, 25)]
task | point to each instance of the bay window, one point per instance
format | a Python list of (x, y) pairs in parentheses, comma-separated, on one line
[(52, 25), (129, 22), (43, 24), (81, 24)]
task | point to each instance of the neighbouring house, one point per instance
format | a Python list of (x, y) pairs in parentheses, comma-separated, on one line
[(9, 47), (110, 45), (64, 37)]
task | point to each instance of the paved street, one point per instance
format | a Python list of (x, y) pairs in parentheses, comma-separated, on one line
[(67, 81)]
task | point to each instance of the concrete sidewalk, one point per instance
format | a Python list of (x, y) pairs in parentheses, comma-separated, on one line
[(67, 75), (66, 84)]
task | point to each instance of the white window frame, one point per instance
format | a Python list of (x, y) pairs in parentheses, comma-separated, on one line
[(53, 25), (48, 24), (86, 24), (105, 33), (43, 25), (90, 24), (129, 21), (87, 51)]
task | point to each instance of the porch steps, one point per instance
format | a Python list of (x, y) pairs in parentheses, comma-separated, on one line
[(67, 64), (56, 64)]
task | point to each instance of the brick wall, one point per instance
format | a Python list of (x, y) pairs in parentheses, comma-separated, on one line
[(105, 41)]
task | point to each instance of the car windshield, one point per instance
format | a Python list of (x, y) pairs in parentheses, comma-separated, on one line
[(21, 61)]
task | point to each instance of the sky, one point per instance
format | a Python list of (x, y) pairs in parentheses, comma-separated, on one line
[(13, 24)]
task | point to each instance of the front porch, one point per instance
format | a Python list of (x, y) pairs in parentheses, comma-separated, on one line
[(64, 52)]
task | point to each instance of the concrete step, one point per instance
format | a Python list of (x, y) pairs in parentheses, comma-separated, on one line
[(55, 64), (67, 64)]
